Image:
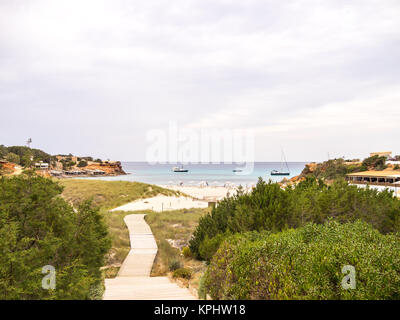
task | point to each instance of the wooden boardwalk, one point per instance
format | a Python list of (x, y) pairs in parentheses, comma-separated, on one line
[(133, 281)]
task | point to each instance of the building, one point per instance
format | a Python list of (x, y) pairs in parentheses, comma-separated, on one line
[(95, 172), (41, 165), (74, 172), (56, 173), (386, 154), (212, 201), (380, 180)]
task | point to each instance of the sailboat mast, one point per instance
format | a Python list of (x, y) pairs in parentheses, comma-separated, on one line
[(284, 158)]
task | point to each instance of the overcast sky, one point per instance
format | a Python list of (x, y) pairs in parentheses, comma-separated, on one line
[(92, 77)]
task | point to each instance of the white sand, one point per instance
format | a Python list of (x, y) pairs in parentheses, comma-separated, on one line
[(162, 203), (200, 197), (203, 192)]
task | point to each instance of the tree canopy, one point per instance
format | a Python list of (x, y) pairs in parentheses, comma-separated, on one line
[(39, 228), (269, 207)]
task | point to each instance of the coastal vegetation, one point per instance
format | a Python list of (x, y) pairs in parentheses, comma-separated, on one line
[(262, 244), (338, 168), (24, 156), (374, 163), (269, 207), (271, 243), (109, 194), (39, 228), (306, 263), (66, 224)]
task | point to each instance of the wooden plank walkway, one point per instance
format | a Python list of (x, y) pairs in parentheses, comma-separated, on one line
[(133, 281)]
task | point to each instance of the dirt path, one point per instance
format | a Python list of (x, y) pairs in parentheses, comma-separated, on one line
[(133, 281)]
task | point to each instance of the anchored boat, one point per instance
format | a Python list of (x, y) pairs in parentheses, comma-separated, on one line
[(179, 169), (281, 172)]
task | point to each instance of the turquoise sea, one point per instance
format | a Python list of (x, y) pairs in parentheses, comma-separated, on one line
[(213, 174)]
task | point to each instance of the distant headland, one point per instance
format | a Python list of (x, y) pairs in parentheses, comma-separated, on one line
[(15, 159)]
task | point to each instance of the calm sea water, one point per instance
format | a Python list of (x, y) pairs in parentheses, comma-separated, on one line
[(213, 174)]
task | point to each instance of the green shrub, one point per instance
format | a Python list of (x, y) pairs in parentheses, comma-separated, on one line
[(332, 169), (174, 264), (396, 167), (186, 252), (183, 273), (12, 157), (375, 162), (202, 290), (209, 246), (3, 151), (82, 164), (269, 207), (25, 154), (39, 228), (306, 263)]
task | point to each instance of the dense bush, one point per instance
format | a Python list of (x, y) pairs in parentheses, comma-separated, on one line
[(3, 151), (186, 252), (269, 207), (82, 164), (332, 169), (12, 157), (67, 164), (306, 263), (183, 273), (374, 162), (38, 228), (26, 154), (174, 264)]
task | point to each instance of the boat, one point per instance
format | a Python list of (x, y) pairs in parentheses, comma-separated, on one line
[(237, 170), (281, 172), (179, 169)]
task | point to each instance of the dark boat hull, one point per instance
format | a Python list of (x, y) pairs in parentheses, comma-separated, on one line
[(280, 173), (184, 170)]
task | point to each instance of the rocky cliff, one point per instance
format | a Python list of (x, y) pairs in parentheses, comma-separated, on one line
[(110, 168)]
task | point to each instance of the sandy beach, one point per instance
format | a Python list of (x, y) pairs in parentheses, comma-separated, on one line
[(198, 197), (202, 192), (163, 203)]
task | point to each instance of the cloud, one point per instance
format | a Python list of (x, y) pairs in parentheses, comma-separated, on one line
[(93, 76)]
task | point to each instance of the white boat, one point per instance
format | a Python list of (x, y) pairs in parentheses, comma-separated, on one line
[(179, 169), (281, 172)]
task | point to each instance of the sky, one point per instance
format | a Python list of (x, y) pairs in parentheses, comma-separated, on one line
[(96, 77)]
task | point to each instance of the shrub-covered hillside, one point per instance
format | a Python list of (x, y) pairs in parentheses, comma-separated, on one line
[(269, 207), (22, 155), (307, 263), (338, 168)]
